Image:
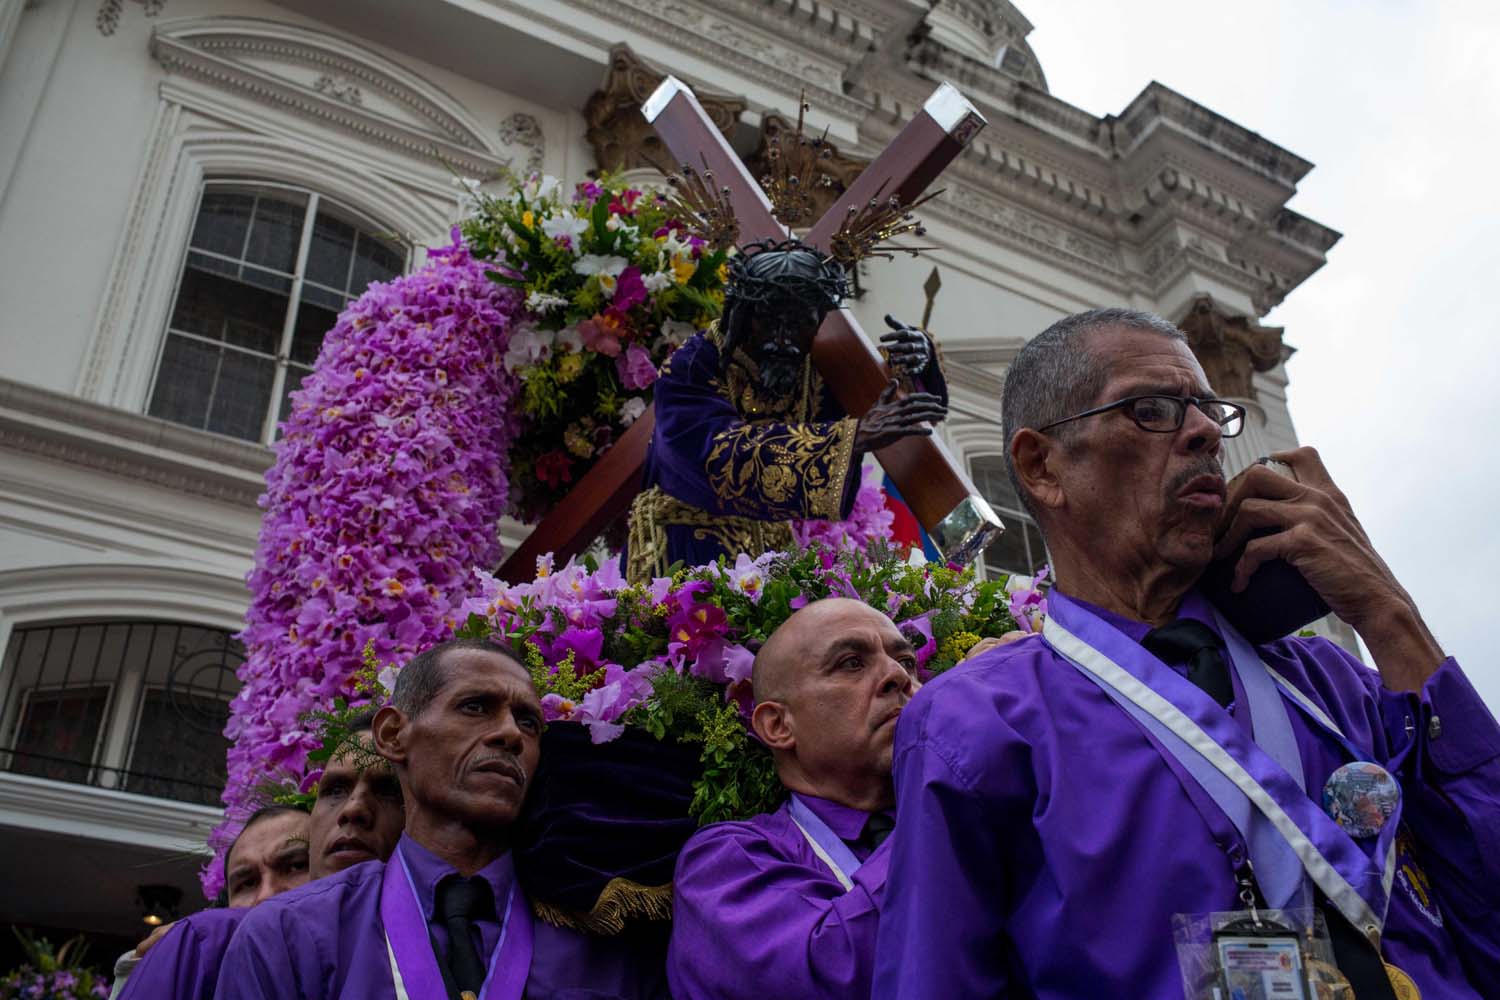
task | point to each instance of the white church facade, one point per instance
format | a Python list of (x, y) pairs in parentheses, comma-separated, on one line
[(190, 190)]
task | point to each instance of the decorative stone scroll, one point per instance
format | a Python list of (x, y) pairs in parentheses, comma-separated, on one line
[(621, 136), (1231, 349)]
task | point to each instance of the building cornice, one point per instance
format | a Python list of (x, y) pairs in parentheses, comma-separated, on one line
[(105, 815), (68, 429)]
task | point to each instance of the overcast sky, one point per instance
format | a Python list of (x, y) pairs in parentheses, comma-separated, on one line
[(1395, 376)]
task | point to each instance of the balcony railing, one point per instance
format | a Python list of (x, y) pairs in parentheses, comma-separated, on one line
[(73, 771), (134, 706)]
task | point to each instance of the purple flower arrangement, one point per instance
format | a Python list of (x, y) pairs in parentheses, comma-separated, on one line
[(390, 477)]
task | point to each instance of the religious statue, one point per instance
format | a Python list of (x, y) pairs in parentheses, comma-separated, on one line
[(747, 435)]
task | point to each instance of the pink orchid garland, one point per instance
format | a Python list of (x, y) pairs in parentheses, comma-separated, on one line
[(869, 520), (389, 479)]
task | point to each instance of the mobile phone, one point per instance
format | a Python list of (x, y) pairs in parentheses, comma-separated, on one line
[(1276, 602)]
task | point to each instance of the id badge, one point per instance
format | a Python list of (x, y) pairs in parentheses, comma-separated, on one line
[(1260, 966)]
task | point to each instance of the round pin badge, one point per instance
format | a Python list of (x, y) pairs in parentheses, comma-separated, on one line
[(1361, 797)]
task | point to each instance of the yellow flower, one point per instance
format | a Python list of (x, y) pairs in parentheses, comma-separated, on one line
[(723, 273), (682, 269), (528, 218), (569, 367)]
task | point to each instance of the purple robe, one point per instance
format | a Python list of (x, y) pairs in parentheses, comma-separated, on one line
[(326, 940), (184, 964), (756, 914), (1043, 843), (737, 460)]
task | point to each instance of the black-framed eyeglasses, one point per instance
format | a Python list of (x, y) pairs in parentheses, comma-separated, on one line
[(1165, 414)]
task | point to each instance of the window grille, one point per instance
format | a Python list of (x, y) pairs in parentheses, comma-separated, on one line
[(267, 271), (137, 706), (1019, 548)]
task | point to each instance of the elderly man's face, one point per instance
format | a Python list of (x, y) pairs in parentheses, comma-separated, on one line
[(470, 754), (851, 675), (269, 858), (1149, 499), (358, 816)]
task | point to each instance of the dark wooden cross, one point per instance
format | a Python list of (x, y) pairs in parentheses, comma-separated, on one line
[(932, 483)]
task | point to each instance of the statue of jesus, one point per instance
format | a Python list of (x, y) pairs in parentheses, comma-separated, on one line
[(747, 436)]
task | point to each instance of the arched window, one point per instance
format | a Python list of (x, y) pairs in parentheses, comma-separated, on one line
[(137, 706), (1019, 548), (267, 270)]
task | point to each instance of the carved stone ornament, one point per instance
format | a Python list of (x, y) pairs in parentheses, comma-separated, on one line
[(522, 134), (1231, 349), (835, 171), (622, 138), (107, 19)]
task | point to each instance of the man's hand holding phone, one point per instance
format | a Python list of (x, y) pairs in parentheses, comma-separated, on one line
[(1315, 530)]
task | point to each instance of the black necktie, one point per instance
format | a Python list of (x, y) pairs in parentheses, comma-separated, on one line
[(877, 828), (458, 903), (1193, 643)]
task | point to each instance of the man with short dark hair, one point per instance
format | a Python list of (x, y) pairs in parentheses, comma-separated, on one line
[(1064, 799), (786, 904), (267, 857), (446, 915), (356, 817)]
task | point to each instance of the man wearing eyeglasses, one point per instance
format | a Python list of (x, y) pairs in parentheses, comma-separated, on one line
[(1066, 800)]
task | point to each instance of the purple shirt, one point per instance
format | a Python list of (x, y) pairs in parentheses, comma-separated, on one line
[(1043, 843), (756, 914), (184, 964), (326, 940)]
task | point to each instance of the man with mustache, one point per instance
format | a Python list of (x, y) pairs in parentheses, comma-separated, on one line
[(357, 817), (1063, 799), (786, 904), (747, 436), (445, 916)]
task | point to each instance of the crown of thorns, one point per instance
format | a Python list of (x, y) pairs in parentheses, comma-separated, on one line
[(770, 270)]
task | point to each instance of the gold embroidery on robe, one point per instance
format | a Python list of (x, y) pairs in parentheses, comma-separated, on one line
[(655, 510)]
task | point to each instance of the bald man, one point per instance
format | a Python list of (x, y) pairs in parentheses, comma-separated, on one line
[(786, 904)]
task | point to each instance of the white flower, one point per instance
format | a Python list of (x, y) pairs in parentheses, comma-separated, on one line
[(469, 184), (617, 224), (527, 347), (607, 285), (538, 187), (568, 227), (675, 331), (631, 410), (674, 246), (387, 678), (541, 303), (595, 263), (658, 281), (570, 340)]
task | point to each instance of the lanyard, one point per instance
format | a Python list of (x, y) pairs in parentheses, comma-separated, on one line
[(826, 844), (408, 943), (1251, 785)]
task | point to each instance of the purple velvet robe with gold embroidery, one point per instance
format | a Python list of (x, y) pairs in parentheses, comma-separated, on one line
[(730, 464)]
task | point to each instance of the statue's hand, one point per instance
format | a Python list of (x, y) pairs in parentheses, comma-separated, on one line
[(906, 348), (891, 419)]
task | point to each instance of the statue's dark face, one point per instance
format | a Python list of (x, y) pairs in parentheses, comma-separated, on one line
[(781, 332)]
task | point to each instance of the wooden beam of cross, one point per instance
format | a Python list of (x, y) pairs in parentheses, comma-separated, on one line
[(932, 483)]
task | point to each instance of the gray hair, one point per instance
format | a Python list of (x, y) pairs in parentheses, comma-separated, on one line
[(423, 676), (1055, 375)]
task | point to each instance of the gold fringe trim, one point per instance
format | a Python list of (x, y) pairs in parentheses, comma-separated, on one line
[(620, 900), (654, 510)]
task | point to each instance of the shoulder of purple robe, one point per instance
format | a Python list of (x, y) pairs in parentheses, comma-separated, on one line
[(321, 940), (756, 914), (184, 964)]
